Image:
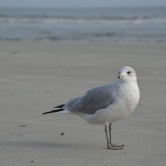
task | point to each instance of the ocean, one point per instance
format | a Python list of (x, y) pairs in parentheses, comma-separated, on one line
[(121, 25)]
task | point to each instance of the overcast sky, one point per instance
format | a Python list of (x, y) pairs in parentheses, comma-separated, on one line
[(80, 3)]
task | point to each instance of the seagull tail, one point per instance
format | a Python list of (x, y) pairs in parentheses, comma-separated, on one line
[(58, 109)]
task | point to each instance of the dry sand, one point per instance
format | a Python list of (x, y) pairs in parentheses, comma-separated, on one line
[(36, 76)]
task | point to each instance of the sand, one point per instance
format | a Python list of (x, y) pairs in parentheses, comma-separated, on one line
[(35, 76)]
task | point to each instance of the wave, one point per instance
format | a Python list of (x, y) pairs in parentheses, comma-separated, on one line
[(103, 20)]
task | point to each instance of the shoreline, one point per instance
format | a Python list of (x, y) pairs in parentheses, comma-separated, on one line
[(86, 42)]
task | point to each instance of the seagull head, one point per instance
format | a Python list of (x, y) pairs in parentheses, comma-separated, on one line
[(127, 74)]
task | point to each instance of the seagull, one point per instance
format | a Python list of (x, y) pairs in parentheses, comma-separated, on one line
[(106, 104)]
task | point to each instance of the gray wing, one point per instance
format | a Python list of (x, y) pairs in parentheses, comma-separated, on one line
[(71, 102), (95, 99)]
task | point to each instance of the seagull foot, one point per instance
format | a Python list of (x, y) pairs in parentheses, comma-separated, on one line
[(115, 147)]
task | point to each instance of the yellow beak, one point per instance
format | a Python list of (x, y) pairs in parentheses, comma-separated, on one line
[(120, 76)]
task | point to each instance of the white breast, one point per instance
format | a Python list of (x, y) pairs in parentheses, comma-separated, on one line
[(130, 95)]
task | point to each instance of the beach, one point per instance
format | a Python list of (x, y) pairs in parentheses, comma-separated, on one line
[(35, 76)]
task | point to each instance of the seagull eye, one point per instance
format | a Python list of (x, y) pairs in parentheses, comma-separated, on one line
[(129, 72)]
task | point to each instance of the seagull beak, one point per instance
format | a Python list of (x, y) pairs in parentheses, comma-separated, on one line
[(120, 76)]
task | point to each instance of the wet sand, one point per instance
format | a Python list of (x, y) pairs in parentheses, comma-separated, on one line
[(35, 76)]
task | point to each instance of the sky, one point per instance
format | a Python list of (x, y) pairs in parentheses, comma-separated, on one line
[(80, 3)]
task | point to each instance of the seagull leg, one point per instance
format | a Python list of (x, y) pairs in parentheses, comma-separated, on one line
[(113, 146), (106, 133), (108, 138)]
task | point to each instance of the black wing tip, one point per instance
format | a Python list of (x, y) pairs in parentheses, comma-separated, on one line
[(60, 106), (53, 111), (58, 109), (44, 113)]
